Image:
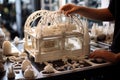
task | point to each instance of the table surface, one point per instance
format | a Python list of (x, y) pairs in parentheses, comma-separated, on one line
[(103, 72)]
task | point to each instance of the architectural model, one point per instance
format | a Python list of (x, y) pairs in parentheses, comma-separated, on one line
[(50, 35)]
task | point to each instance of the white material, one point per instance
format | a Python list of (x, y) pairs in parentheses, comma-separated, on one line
[(25, 64), (16, 40), (7, 48), (11, 73), (29, 73), (49, 68)]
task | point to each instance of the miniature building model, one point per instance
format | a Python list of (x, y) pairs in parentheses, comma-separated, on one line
[(50, 35)]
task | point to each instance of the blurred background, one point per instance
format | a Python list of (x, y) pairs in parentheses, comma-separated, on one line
[(13, 13)]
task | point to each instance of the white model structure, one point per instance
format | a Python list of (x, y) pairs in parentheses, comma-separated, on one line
[(50, 35)]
